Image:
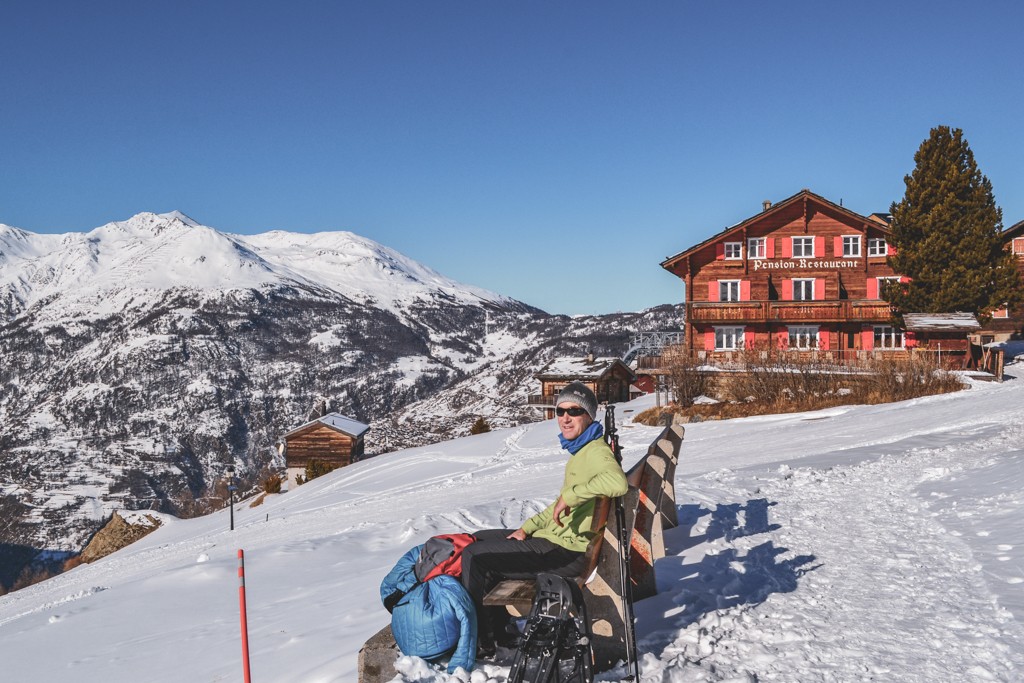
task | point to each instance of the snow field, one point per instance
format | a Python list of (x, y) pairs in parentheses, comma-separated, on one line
[(863, 543)]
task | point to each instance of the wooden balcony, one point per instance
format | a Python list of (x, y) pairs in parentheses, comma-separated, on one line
[(789, 311)]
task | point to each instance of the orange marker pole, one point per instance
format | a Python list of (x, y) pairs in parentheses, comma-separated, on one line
[(245, 627)]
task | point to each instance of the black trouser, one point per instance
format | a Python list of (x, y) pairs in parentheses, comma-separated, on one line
[(494, 558)]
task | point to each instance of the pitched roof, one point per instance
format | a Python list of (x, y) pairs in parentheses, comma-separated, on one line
[(579, 368), (784, 204), (1015, 230), (337, 422), (921, 322)]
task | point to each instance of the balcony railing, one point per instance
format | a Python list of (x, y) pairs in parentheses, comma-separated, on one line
[(789, 311)]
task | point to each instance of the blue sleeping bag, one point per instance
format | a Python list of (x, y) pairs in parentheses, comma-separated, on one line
[(434, 619)]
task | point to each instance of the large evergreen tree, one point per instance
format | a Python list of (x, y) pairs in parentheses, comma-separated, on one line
[(946, 231)]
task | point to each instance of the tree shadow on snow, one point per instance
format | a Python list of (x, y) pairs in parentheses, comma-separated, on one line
[(688, 590)]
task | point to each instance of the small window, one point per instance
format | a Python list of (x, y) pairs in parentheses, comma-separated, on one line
[(803, 289), (877, 247), (1003, 312), (888, 337), (756, 247), (803, 247), (728, 338), (1018, 246), (733, 250), (728, 290), (851, 245), (803, 337), (884, 282)]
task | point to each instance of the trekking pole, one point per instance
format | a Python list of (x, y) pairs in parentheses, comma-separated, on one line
[(625, 581), (245, 626)]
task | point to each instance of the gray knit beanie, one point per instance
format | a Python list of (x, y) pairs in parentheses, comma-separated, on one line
[(581, 395)]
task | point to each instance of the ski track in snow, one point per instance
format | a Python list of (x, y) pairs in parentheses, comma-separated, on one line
[(892, 595)]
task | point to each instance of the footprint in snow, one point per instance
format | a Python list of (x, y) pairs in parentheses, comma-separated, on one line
[(1015, 579), (1004, 547), (982, 533)]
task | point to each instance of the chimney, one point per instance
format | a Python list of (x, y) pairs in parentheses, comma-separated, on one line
[(766, 204), (590, 356)]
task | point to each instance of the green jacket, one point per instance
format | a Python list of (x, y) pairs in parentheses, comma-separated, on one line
[(589, 474)]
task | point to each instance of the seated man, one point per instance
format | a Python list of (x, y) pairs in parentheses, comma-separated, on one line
[(554, 540)]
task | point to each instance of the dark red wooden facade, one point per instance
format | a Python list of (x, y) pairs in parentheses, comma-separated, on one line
[(805, 274)]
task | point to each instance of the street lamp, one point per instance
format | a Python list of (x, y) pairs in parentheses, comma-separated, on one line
[(231, 494)]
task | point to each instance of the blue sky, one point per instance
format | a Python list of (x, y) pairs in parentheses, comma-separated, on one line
[(555, 152)]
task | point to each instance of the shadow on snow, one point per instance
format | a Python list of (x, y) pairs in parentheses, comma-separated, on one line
[(688, 590)]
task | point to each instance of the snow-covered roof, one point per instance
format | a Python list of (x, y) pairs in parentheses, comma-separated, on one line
[(578, 368), (346, 425), (941, 321)]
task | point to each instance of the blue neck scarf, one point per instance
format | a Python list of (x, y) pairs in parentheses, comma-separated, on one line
[(594, 431)]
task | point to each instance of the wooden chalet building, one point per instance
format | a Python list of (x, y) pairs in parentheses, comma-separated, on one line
[(333, 439), (1006, 323), (608, 378), (801, 275)]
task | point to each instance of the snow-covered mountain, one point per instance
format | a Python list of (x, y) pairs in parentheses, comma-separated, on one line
[(858, 543), (142, 357)]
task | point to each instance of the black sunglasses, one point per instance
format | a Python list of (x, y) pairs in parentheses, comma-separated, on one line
[(575, 411)]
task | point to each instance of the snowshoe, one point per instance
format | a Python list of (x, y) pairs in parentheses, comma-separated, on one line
[(555, 644)]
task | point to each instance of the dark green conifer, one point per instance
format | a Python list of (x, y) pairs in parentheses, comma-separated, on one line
[(946, 231)]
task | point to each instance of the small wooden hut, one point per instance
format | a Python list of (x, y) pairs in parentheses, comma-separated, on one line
[(333, 439), (609, 379)]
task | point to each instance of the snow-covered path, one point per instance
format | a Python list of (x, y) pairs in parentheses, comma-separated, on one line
[(838, 574), (859, 543)]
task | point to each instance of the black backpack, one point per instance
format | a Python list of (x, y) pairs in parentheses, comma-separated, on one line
[(555, 645)]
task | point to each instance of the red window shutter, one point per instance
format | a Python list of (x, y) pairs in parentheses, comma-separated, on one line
[(904, 279), (782, 339), (837, 246), (713, 290), (787, 247), (744, 290), (867, 339), (787, 290), (819, 289), (748, 337), (769, 247), (719, 251), (709, 340), (819, 247), (823, 340), (872, 288), (889, 249)]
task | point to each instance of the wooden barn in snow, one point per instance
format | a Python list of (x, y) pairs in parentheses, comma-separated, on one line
[(609, 379), (333, 439)]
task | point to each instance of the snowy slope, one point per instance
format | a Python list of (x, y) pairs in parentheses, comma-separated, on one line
[(860, 543)]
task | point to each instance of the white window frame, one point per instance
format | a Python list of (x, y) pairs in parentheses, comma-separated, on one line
[(882, 280), (757, 247), (854, 246), (877, 246), (805, 282), (726, 335), (889, 336), (803, 241), (1004, 310), (729, 290), (736, 249), (1018, 246), (807, 337)]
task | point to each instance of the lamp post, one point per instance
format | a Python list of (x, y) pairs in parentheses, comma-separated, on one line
[(231, 494)]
